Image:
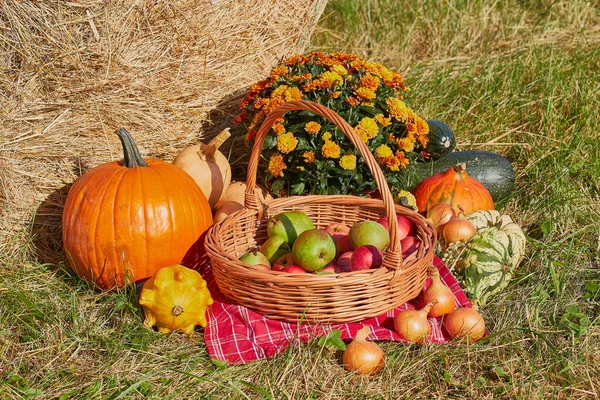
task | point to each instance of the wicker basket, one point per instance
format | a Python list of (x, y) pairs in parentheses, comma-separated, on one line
[(344, 297)]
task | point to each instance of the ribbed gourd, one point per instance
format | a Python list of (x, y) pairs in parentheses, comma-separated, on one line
[(485, 264), (175, 298)]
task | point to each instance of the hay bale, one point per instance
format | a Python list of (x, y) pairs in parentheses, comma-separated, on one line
[(72, 72)]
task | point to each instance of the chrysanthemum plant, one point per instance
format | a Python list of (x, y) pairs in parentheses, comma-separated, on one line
[(305, 153)]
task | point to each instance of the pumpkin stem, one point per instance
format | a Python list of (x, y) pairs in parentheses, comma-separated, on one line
[(177, 310), (131, 154), (460, 167), (212, 146)]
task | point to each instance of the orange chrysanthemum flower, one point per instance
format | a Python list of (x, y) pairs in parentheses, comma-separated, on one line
[(276, 165), (353, 101), (312, 127), (309, 156), (330, 149), (370, 82), (397, 109)]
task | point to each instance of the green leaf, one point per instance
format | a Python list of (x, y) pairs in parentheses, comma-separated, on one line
[(333, 338), (298, 188), (219, 363)]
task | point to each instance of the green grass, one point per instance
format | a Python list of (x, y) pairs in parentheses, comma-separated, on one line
[(520, 78)]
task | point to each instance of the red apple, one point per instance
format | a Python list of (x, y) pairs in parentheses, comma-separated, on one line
[(405, 227), (329, 269), (343, 262), (294, 269), (366, 257), (337, 230), (283, 262), (343, 245), (409, 245)]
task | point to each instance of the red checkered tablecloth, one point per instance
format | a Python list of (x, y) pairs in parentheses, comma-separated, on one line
[(238, 335)]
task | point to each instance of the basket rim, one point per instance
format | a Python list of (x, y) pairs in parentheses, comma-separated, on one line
[(409, 261)]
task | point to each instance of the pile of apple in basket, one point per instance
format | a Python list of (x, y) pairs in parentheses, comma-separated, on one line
[(295, 246)]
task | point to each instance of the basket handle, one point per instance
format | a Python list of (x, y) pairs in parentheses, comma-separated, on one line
[(252, 201)]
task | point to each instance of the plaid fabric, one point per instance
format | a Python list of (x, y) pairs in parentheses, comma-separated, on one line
[(238, 335)]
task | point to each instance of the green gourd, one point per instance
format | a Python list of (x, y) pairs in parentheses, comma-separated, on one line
[(441, 139)]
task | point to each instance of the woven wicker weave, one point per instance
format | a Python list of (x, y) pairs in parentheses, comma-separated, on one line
[(345, 297)]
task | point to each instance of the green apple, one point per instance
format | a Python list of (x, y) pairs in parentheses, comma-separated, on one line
[(313, 250), (289, 224), (255, 257), (369, 232), (274, 247)]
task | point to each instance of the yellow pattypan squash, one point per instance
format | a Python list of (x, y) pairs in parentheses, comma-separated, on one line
[(175, 298), (406, 199)]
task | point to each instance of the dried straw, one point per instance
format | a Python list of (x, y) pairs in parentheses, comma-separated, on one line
[(74, 71)]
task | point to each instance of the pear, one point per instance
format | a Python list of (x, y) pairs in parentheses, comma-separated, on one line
[(369, 232), (289, 224)]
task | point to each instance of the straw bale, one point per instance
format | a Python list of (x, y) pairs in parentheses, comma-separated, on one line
[(71, 72)]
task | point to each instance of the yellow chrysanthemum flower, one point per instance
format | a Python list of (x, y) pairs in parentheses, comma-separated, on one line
[(330, 149), (348, 162), (397, 109), (384, 151), (340, 70), (326, 136), (406, 144), (276, 165), (332, 78), (365, 93), (309, 156), (381, 120), (286, 142), (312, 127), (293, 94), (367, 129)]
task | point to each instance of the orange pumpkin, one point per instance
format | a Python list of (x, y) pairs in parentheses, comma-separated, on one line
[(454, 187), (123, 221)]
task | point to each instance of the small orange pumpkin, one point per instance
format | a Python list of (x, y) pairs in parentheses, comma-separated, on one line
[(123, 221), (454, 187)]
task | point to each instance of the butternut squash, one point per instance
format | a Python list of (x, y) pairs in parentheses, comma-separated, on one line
[(208, 167)]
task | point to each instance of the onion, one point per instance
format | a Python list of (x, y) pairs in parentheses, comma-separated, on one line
[(441, 293), (440, 213), (362, 356), (413, 325), (465, 322), (458, 230)]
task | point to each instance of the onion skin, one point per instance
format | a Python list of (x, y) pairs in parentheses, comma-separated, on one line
[(362, 356), (440, 213), (442, 294), (465, 323), (413, 325)]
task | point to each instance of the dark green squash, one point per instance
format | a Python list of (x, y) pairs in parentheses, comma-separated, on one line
[(441, 139), (492, 170)]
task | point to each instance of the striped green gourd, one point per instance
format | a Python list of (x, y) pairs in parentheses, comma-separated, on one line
[(485, 263)]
